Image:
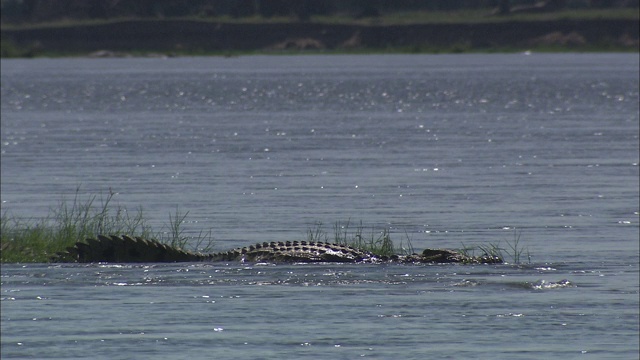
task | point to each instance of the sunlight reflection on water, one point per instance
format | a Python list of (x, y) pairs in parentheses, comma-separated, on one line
[(444, 151)]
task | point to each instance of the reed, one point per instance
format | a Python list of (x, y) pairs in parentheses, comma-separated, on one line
[(37, 240), (175, 235), (513, 251), (377, 241)]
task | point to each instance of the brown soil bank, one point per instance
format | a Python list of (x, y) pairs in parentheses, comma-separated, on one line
[(200, 37)]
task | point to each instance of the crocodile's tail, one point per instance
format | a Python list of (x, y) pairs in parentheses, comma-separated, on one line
[(124, 249)]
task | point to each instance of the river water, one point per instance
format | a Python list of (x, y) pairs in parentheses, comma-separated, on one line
[(443, 150)]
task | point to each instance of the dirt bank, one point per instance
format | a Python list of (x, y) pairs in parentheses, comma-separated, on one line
[(185, 37)]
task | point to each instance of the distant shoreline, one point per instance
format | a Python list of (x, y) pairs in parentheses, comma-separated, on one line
[(194, 37)]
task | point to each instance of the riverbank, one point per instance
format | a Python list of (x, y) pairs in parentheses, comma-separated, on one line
[(199, 37)]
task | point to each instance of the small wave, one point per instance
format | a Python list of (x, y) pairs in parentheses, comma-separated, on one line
[(544, 284), (510, 315), (466, 283), (548, 268)]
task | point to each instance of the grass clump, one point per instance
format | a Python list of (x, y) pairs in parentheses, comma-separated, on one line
[(377, 242), (380, 243), (38, 240), (513, 251), (176, 237)]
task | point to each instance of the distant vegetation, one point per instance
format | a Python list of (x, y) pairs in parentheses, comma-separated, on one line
[(23, 12), (123, 28)]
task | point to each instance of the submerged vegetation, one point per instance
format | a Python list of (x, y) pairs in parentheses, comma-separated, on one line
[(36, 241)]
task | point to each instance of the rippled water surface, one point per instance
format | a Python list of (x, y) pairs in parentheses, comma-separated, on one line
[(444, 150)]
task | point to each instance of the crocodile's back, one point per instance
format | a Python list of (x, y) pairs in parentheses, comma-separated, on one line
[(125, 249), (295, 251)]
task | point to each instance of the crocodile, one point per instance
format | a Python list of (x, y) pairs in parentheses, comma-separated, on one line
[(128, 249)]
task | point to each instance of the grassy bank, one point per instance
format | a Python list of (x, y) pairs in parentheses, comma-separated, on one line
[(36, 241), (392, 18), (410, 32)]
